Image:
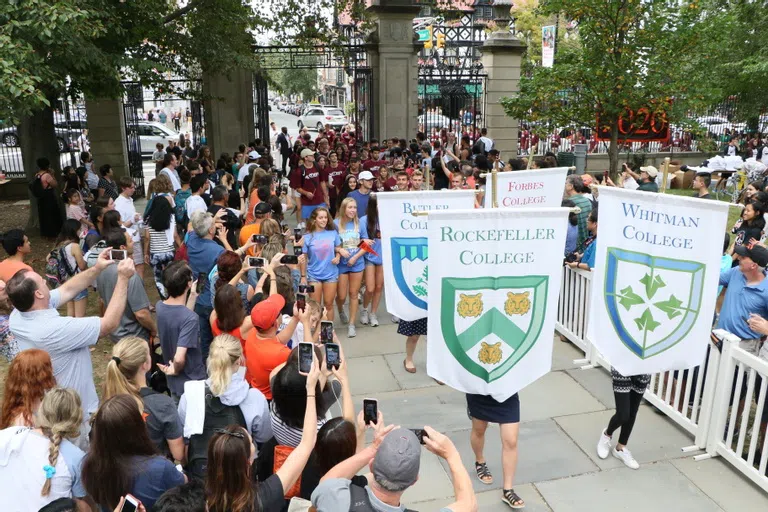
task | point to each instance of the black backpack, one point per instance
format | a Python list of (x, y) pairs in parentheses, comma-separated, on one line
[(360, 502), (217, 415)]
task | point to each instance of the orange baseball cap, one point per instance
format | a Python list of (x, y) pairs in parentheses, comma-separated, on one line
[(264, 314)]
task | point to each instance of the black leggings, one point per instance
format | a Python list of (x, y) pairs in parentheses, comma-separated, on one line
[(627, 405)]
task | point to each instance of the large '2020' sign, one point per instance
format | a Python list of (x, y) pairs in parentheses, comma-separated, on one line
[(643, 124)]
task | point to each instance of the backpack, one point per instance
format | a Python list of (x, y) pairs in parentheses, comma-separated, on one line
[(36, 186), (360, 502), (181, 207), (92, 255), (57, 268), (217, 415)]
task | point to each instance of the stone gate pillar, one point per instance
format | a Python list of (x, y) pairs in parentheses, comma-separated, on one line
[(106, 133), (395, 70), (228, 110), (502, 59)]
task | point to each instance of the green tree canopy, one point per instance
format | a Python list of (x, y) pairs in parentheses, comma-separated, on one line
[(623, 54)]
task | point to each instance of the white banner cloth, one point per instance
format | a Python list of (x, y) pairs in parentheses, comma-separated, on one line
[(655, 279), (404, 245), (542, 188), (493, 297)]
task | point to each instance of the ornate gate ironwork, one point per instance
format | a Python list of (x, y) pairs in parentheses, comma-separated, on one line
[(451, 79), (351, 58), (134, 98)]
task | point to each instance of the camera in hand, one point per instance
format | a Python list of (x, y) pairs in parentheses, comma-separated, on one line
[(370, 411), (332, 355), (259, 239), (256, 262), (296, 234), (326, 331), (306, 355), (306, 288), (118, 255), (298, 250), (571, 257), (289, 259), (202, 278), (420, 434), (301, 301)]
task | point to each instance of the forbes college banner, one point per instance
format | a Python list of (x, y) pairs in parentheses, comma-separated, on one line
[(493, 297), (404, 245), (655, 279), (541, 187)]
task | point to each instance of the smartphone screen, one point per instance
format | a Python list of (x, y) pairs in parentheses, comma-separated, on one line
[(201, 280), (306, 354), (326, 331), (256, 262), (259, 239), (289, 259), (296, 234), (306, 288), (370, 410), (298, 250), (332, 355), (118, 255), (130, 504), (301, 301)]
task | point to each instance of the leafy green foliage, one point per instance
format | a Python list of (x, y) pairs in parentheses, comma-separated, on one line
[(299, 82), (622, 54)]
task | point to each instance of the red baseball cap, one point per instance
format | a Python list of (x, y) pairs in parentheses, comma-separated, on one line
[(264, 314)]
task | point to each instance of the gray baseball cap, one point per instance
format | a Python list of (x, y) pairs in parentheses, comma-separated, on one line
[(398, 458)]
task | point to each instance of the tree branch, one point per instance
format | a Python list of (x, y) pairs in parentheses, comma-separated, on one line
[(181, 12)]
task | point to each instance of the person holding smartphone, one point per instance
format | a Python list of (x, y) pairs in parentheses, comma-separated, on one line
[(374, 269), (352, 262), (322, 246)]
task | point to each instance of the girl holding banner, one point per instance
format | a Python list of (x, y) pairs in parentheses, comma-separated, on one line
[(374, 266)]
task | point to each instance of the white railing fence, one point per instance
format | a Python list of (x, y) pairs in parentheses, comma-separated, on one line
[(720, 403)]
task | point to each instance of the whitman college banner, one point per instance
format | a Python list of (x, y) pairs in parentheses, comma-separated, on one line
[(655, 279), (493, 297), (540, 187), (404, 245)]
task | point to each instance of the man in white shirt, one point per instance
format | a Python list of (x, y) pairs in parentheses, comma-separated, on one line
[(244, 170), (273, 133), (159, 153), (82, 141), (195, 202), (131, 219), (169, 169), (35, 323)]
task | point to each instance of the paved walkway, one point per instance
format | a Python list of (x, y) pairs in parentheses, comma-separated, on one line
[(562, 416)]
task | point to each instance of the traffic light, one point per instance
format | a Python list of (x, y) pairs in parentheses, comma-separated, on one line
[(428, 41), (441, 40)]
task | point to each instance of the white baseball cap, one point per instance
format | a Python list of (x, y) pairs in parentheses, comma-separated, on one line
[(365, 175), (253, 155)]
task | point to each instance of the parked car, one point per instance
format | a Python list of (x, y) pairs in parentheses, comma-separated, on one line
[(318, 117), (151, 133), (718, 125), (430, 121), (65, 137)]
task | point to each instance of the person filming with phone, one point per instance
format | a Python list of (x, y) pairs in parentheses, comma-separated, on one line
[(394, 459), (36, 323)]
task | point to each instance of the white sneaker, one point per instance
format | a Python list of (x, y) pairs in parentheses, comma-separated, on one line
[(395, 320), (364, 316), (603, 446), (343, 316), (374, 320), (626, 457), (351, 331)]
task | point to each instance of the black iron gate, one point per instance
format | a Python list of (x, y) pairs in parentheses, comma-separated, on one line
[(451, 78), (134, 98), (350, 59)]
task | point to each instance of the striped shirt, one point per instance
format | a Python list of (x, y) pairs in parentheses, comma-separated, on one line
[(158, 242)]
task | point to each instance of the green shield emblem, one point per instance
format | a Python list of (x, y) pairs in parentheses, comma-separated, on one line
[(490, 323)]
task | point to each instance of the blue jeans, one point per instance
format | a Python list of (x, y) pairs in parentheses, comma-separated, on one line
[(206, 335)]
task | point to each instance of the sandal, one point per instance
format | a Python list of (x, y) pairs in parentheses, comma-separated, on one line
[(483, 473), (510, 497)]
